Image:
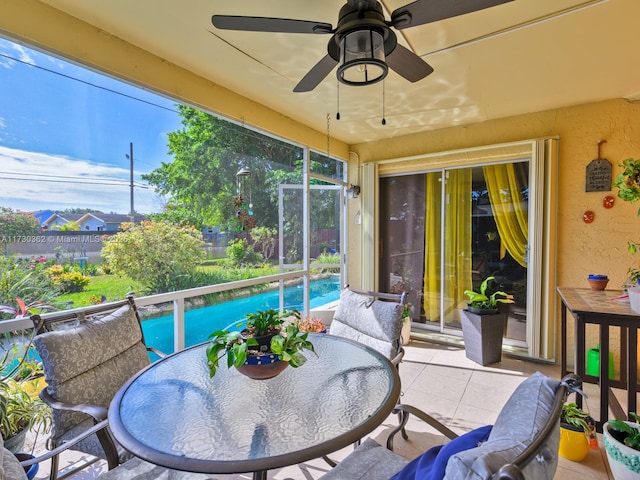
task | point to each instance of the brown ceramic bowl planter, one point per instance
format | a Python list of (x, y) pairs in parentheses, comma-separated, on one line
[(598, 282)]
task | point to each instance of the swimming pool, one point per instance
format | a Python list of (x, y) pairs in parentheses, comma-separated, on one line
[(200, 322)]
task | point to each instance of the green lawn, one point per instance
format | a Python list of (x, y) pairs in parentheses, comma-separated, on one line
[(114, 287)]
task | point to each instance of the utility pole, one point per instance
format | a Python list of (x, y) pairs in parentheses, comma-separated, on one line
[(130, 157)]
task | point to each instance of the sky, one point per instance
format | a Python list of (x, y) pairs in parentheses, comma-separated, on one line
[(65, 135)]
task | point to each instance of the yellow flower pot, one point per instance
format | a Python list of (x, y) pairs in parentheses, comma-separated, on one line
[(574, 444)]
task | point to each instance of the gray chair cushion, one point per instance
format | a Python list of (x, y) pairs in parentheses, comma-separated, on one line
[(10, 468), (370, 461), (375, 323), (87, 364), (520, 420)]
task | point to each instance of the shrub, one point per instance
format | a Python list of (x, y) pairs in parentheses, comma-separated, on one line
[(71, 282), (240, 252), (329, 258), (158, 255), (19, 280)]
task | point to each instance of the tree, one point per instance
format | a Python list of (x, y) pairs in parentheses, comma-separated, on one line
[(67, 227), (14, 224), (178, 215), (208, 152), (264, 238), (158, 255)]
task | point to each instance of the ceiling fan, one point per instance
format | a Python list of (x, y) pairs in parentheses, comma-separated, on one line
[(363, 43)]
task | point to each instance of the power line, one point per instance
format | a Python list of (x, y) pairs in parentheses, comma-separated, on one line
[(48, 175), (9, 57), (113, 183)]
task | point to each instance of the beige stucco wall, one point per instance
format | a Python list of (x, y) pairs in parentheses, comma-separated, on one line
[(599, 247)]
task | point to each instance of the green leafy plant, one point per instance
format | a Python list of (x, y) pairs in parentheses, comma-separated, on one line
[(286, 342), (21, 408), (628, 181), (265, 321), (481, 300), (71, 282), (23, 309), (155, 254), (239, 252), (573, 415), (628, 184), (625, 433)]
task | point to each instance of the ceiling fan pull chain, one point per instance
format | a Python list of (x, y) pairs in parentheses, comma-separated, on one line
[(328, 134), (338, 100), (384, 120)]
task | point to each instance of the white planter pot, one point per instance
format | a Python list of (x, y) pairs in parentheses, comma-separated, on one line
[(624, 461)]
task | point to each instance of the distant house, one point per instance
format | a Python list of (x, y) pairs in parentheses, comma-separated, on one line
[(59, 220), (90, 222), (107, 222), (42, 215)]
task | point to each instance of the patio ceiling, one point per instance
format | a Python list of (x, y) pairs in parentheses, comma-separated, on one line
[(520, 57)]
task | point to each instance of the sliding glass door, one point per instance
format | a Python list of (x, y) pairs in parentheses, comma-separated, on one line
[(442, 232)]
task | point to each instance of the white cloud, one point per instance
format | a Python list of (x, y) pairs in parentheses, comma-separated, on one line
[(35, 181)]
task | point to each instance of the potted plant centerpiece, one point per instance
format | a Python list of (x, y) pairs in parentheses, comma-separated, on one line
[(483, 323), (622, 444), (263, 348), (576, 426)]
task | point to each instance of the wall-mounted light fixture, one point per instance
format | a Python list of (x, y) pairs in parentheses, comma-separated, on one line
[(353, 191)]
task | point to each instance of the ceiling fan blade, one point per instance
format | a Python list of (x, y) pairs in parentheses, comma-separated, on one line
[(427, 11), (407, 64), (266, 24), (316, 74)]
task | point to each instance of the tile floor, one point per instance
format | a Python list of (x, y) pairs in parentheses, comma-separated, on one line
[(443, 382)]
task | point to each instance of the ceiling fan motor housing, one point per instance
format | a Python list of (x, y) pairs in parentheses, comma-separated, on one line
[(352, 18)]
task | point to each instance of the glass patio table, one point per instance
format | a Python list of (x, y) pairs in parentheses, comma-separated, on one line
[(174, 415)]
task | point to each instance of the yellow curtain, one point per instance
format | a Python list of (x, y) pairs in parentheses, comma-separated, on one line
[(509, 210), (457, 253), (432, 224)]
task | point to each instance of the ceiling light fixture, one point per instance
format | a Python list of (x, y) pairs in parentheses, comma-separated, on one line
[(362, 58)]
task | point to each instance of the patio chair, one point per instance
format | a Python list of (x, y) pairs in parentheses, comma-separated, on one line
[(87, 355), (373, 319), (522, 443), (132, 469)]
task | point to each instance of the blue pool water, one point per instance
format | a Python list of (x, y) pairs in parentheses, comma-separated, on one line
[(199, 323)]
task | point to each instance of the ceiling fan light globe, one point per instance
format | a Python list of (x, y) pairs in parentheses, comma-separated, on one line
[(362, 58)]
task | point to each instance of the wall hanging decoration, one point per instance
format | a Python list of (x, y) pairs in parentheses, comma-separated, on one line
[(599, 173), (608, 201), (588, 216)]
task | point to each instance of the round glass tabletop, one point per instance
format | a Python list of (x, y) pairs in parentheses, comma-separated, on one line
[(173, 414)]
